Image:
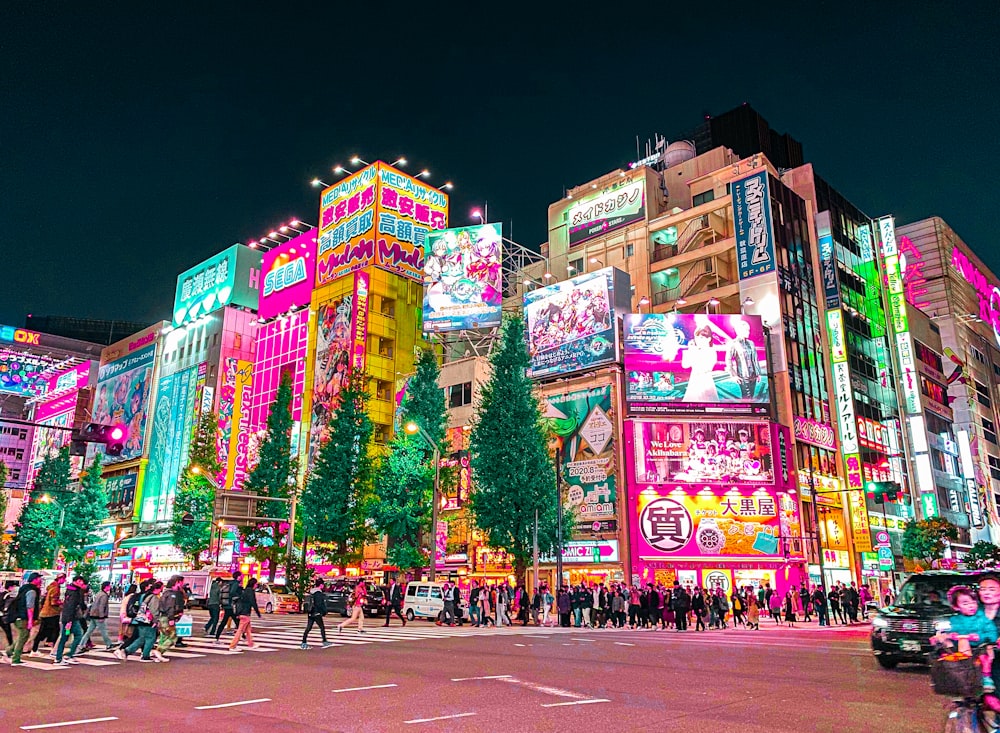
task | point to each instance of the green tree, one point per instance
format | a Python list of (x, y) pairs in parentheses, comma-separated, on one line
[(273, 476), (84, 510), (335, 499), (4, 554), (513, 475), (984, 554), (424, 403), (401, 505), (924, 540), (35, 539), (196, 493)]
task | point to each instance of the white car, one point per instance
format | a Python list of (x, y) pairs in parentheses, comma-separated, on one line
[(273, 598)]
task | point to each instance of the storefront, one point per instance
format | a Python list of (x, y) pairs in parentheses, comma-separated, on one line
[(154, 556), (585, 562)]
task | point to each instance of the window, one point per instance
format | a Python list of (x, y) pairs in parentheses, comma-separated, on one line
[(422, 591), (575, 267), (983, 394), (996, 371), (388, 307), (932, 389), (460, 395), (928, 356), (380, 433), (994, 466), (237, 340), (989, 431), (629, 250), (703, 197), (436, 592), (385, 347), (383, 390), (978, 355)]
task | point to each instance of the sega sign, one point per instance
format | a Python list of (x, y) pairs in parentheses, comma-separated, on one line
[(288, 275), (285, 276)]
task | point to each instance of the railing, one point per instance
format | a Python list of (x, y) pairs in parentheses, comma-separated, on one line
[(698, 270)]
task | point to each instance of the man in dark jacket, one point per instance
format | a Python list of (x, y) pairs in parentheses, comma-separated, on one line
[(317, 610), (7, 598), (819, 605), (171, 609), (24, 614), (682, 605), (230, 598), (394, 601), (73, 611)]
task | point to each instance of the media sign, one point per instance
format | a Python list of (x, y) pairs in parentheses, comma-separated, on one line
[(752, 218), (599, 213), (347, 226)]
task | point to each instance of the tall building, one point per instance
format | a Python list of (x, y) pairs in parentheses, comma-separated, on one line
[(744, 131)]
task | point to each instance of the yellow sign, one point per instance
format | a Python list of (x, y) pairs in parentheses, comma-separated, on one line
[(860, 529)]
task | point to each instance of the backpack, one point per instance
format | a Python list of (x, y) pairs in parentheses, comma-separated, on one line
[(318, 603), (134, 601)]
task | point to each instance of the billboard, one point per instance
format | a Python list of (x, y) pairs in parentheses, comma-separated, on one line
[(231, 277), (583, 424), (571, 325), (614, 207), (347, 226), (698, 452), (122, 396), (730, 524), (688, 362), (21, 373), (288, 271), (233, 437), (408, 211), (752, 218), (333, 364), (359, 320), (462, 278)]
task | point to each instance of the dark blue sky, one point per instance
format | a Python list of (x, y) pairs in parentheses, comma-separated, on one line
[(133, 146)]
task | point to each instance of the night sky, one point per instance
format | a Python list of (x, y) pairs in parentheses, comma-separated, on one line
[(132, 147)]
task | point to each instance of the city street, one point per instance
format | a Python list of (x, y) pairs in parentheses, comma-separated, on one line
[(510, 679)]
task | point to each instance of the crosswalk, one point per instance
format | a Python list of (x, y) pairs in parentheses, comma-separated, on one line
[(285, 634)]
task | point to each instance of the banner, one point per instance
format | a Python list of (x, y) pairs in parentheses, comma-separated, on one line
[(462, 279), (239, 439), (333, 351), (122, 397)]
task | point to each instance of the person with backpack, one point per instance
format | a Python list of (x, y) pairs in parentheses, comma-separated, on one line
[(7, 598), (147, 610), (98, 617), (245, 605), (214, 603), (317, 610), (73, 611), (23, 615), (230, 598), (48, 629), (171, 609)]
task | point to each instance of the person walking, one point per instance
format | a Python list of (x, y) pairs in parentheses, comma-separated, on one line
[(7, 599), (853, 601), (790, 597), (247, 604), (448, 606), (358, 597), (171, 609), (23, 616), (833, 598), (736, 602), (475, 607), (486, 597), (214, 604), (48, 629), (682, 605), (393, 602), (565, 606), (819, 605), (547, 601), (536, 606), (127, 630), (774, 607), (317, 610), (501, 606), (753, 613), (97, 617), (864, 597), (73, 610), (229, 602), (698, 608), (145, 623), (805, 600)]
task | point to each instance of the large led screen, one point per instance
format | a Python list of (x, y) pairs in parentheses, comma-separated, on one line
[(697, 452), (462, 279)]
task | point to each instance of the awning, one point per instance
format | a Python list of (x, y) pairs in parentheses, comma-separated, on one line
[(147, 541)]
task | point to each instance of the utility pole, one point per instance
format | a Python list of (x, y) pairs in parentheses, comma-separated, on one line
[(559, 519)]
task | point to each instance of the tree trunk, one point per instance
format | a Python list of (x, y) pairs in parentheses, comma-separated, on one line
[(520, 571)]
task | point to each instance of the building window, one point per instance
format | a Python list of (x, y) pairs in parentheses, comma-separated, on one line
[(983, 394), (932, 389), (989, 430), (630, 250), (380, 433), (994, 466), (575, 267), (928, 356), (385, 347), (388, 307), (383, 390), (978, 355), (459, 395), (703, 198)]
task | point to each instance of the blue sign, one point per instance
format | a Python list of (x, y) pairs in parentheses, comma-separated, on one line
[(828, 267), (754, 234)]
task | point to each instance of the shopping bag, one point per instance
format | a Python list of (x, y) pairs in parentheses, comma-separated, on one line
[(184, 624)]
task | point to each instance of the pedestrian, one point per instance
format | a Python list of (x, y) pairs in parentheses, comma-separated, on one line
[(682, 606), (587, 606), (736, 602), (229, 602), (126, 629), (48, 629), (486, 599), (358, 597), (819, 605), (475, 607), (448, 606), (853, 601), (171, 609), (833, 598), (536, 606), (97, 616), (246, 605), (23, 615), (7, 599), (790, 597), (774, 607), (753, 612), (214, 603), (666, 609), (144, 620), (805, 601), (393, 603), (501, 606), (565, 606), (317, 610), (73, 610), (698, 608), (865, 597), (547, 601)]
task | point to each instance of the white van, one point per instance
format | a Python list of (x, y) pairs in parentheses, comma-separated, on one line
[(424, 599)]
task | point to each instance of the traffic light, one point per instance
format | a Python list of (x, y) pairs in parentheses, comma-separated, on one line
[(879, 491), (113, 437)]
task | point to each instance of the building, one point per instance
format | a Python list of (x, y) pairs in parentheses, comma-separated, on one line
[(744, 131), (94, 330)]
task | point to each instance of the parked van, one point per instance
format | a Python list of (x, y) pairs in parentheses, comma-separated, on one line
[(424, 599)]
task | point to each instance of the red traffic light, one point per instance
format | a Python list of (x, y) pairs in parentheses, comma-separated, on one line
[(117, 433)]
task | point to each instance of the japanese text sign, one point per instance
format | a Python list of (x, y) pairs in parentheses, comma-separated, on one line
[(754, 235), (612, 208)]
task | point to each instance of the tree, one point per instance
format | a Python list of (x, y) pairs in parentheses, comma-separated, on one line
[(35, 539), (196, 493), (424, 403), (273, 476), (4, 555), (83, 512), (336, 496), (401, 505), (513, 476), (984, 554), (924, 540)]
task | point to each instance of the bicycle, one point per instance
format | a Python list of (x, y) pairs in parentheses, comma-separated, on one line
[(969, 715), (967, 712)]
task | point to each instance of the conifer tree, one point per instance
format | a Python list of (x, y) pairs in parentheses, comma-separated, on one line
[(35, 534), (84, 510)]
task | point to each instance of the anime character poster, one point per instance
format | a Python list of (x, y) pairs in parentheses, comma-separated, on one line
[(571, 325), (462, 278), (333, 366), (696, 359), (703, 452), (122, 398)]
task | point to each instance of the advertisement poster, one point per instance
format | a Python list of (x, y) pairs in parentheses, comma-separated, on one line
[(20, 373), (122, 397), (583, 424), (726, 524), (359, 320), (408, 211), (752, 219), (288, 272), (608, 210), (333, 352), (571, 325), (703, 452), (462, 279), (679, 362), (347, 226)]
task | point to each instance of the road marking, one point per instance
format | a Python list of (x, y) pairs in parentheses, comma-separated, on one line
[(519, 645), (68, 722), (574, 702), (369, 687), (588, 640), (441, 717), (623, 643), (232, 704), (544, 689), (488, 677)]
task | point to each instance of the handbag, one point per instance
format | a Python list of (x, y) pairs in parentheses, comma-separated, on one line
[(956, 675)]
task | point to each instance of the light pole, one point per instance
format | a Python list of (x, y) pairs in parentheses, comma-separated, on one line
[(414, 429)]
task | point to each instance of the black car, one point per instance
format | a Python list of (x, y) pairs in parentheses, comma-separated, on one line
[(338, 597), (902, 631)]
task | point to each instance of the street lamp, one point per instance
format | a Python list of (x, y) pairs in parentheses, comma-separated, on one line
[(643, 301), (414, 429), (595, 261), (712, 302)]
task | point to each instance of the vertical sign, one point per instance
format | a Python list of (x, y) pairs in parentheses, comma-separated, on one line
[(754, 235), (860, 529), (236, 460), (827, 260), (898, 317), (359, 320)]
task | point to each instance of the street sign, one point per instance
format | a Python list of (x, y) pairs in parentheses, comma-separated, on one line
[(882, 538), (371, 564), (885, 559)]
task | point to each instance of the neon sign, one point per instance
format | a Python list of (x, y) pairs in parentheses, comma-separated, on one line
[(988, 293), (19, 336)]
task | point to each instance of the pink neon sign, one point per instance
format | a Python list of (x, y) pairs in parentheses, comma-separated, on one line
[(988, 293)]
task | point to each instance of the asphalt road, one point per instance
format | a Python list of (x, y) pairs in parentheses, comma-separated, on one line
[(569, 681)]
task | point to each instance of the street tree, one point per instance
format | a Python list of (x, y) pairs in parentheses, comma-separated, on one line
[(512, 474), (982, 555), (401, 504), (35, 533), (4, 554), (925, 540), (196, 492), (83, 512), (274, 477), (338, 492)]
